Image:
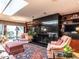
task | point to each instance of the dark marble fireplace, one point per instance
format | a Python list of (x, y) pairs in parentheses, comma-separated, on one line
[(47, 29)]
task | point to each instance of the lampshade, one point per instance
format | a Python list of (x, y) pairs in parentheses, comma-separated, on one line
[(77, 29)]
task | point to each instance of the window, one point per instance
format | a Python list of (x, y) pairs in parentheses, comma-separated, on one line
[(12, 6), (11, 32), (14, 32), (19, 31)]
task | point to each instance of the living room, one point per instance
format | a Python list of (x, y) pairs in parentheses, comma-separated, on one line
[(39, 29)]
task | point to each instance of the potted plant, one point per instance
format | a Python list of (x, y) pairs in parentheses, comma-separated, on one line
[(67, 51), (31, 33)]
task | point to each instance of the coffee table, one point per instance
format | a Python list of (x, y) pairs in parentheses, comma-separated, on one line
[(76, 54), (59, 55)]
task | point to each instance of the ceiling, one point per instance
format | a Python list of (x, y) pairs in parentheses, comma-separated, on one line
[(40, 8)]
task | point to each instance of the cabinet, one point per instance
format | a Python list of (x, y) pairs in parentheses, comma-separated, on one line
[(70, 25)]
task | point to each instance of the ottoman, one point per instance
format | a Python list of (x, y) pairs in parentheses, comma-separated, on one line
[(14, 47)]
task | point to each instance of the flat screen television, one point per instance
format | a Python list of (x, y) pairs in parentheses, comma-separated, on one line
[(69, 28)]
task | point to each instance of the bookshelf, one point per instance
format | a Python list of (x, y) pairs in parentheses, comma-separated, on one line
[(71, 22)]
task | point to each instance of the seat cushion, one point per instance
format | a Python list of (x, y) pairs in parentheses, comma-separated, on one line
[(59, 42)]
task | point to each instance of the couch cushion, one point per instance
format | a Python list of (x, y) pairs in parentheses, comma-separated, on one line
[(57, 42)]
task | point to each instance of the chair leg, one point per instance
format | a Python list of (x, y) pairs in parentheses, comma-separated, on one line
[(53, 56), (50, 54)]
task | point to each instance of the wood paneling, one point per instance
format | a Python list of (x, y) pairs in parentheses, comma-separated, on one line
[(75, 44), (26, 28)]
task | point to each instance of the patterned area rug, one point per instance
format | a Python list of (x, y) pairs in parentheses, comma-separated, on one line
[(32, 51)]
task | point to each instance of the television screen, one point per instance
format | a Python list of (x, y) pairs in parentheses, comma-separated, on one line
[(69, 28)]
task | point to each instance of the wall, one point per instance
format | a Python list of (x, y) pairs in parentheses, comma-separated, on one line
[(11, 23)]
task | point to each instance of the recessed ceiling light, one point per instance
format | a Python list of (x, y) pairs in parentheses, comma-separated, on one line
[(15, 6)]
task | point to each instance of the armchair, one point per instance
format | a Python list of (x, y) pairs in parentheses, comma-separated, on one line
[(57, 45), (26, 37)]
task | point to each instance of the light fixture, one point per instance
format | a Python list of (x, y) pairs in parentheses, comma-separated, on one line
[(14, 6), (77, 29), (44, 29)]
